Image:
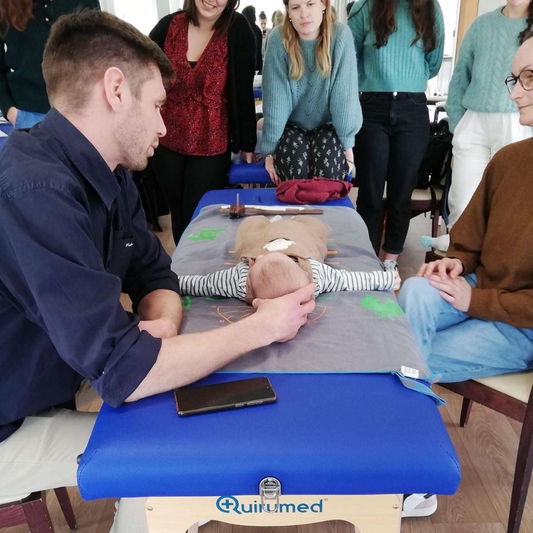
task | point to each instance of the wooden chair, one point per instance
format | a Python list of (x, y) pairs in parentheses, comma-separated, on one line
[(33, 511), (511, 395)]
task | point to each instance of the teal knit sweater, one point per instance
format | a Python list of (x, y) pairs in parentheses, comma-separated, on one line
[(399, 65), (485, 60), (311, 101)]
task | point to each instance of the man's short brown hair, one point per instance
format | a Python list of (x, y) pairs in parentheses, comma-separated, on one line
[(82, 46)]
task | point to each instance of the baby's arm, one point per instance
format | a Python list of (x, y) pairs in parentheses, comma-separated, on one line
[(228, 283), (332, 279)]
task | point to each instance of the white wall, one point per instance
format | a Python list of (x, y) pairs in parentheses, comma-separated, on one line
[(489, 5)]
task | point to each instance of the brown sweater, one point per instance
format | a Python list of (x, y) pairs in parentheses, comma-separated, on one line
[(494, 239)]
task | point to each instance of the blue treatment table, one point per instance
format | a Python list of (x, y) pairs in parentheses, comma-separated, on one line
[(342, 446), (242, 173)]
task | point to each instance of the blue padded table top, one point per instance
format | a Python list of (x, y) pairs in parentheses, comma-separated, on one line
[(326, 434), (255, 197)]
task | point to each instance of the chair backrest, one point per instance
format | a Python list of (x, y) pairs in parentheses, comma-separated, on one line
[(438, 154)]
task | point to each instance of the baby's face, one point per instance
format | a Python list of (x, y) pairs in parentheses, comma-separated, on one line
[(275, 274)]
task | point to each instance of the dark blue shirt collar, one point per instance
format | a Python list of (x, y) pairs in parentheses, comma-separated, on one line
[(83, 155)]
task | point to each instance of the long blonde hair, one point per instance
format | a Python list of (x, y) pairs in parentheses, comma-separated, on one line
[(291, 43)]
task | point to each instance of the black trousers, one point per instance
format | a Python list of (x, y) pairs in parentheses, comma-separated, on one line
[(389, 148), (304, 154), (185, 179)]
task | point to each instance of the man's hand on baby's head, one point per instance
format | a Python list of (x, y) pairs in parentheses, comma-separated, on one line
[(282, 318)]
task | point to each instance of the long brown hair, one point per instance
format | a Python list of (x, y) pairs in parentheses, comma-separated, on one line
[(423, 13), (224, 22), (291, 43), (528, 32), (15, 13)]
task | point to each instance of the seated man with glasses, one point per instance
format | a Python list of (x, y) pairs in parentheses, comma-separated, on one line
[(472, 312)]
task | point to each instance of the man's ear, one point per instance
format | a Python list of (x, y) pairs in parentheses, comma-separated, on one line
[(116, 89)]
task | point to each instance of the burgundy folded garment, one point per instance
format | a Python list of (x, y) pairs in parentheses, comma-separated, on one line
[(314, 191)]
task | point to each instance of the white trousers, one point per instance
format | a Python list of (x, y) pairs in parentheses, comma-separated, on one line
[(476, 139), (42, 454)]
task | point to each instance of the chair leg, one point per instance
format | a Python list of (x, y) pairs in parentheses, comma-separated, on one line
[(66, 507), (435, 216), (465, 412), (37, 515), (522, 475)]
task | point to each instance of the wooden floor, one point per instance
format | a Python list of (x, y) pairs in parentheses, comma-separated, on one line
[(487, 450)]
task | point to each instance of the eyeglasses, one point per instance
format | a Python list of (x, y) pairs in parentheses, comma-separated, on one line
[(525, 78)]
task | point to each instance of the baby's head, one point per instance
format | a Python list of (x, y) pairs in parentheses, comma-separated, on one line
[(275, 274)]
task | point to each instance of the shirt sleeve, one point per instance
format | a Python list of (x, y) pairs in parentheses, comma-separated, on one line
[(277, 97), (344, 105), (332, 279), (149, 268), (229, 283), (434, 58), (462, 76), (496, 305), (57, 276), (6, 98), (357, 24)]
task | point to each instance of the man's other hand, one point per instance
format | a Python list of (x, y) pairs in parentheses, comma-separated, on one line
[(281, 318), (162, 328), (445, 268)]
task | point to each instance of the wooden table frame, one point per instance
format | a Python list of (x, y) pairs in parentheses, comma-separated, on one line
[(369, 514)]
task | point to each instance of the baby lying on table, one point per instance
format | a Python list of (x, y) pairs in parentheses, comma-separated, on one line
[(278, 257)]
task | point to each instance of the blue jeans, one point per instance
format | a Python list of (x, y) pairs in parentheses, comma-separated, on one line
[(27, 119), (457, 347)]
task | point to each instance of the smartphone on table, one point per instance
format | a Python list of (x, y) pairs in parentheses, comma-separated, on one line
[(228, 395)]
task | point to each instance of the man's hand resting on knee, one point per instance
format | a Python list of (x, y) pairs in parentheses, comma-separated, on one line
[(445, 268), (187, 358)]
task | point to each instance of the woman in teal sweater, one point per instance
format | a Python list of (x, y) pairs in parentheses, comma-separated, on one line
[(482, 116), (399, 45), (309, 95), (24, 29)]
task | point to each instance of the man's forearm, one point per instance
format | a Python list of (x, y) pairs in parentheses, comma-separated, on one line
[(161, 303), (187, 358)]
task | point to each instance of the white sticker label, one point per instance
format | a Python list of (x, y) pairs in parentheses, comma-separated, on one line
[(409, 372)]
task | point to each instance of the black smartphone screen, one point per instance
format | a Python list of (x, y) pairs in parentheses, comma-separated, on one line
[(232, 394)]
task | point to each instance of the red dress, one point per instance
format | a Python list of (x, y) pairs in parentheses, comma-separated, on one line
[(196, 111)]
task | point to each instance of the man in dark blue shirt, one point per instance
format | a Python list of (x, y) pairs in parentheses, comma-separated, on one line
[(73, 237)]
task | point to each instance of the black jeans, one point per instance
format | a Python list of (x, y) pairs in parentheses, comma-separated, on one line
[(389, 148), (304, 154), (185, 179)]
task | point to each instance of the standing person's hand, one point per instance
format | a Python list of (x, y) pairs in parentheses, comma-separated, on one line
[(282, 318), (447, 267), (350, 160), (269, 165), (12, 113), (247, 156)]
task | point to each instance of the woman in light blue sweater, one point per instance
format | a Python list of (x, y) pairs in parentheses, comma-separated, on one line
[(399, 45), (482, 116), (309, 95)]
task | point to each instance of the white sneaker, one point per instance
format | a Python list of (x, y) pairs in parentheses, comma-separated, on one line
[(392, 266), (419, 505)]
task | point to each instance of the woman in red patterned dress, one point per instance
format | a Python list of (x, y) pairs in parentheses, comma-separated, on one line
[(210, 109)]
